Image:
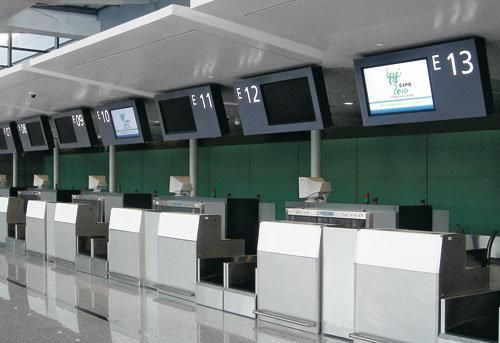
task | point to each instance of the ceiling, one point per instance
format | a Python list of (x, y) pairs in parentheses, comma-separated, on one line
[(223, 40)]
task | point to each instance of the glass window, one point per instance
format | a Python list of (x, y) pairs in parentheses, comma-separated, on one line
[(31, 41), (3, 56), (64, 40), (19, 55), (4, 39)]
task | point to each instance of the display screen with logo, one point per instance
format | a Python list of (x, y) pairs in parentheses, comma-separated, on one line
[(123, 123), (9, 139), (74, 129), (35, 134), (289, 101), (438, 82), (399, 88), (192, 113)]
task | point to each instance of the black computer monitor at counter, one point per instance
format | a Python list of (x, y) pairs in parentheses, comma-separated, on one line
[(35, 134), (9, 139)]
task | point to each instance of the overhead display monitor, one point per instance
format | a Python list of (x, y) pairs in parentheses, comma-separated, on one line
[(289, 101), (438, 82), (74, 129), (192, 113), (123, 123), (35, 134), (9, 139)]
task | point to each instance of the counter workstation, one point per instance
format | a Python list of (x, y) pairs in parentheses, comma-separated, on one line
[(239, 219), (81, 229), (415, 286), (26, 230)]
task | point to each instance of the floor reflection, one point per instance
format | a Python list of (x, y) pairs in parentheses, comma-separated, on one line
[(42, 303)]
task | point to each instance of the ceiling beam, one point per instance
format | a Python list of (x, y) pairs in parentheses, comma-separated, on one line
[(53, 23), (9, 8), (97, 2)]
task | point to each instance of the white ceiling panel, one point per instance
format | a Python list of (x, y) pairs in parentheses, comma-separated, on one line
[(355, 26), (176, 47), (52, 94)]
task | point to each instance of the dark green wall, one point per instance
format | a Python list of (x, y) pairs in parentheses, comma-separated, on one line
[(455, 171)]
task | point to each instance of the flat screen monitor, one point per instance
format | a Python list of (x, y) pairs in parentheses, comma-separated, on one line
[(192, 113), (124, 123), (65, 130), (431, 83), (75, 129), (177, 115), (288, 102), (35, 133), (9, 139), (399, 88)]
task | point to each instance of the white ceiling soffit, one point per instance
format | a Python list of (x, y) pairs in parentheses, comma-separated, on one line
[(94, 2), (9, 8), (52, 23), (355, 27), (175, 47), (52, 94)]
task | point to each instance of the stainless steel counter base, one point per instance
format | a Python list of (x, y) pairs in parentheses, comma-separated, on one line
[(91, 265), (210, 295), (240, 302), (15, 245), (129, 280), (33, 255), (176, 293)]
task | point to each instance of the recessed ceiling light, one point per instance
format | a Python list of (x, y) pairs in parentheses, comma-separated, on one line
[(348, 103), (380, 44)]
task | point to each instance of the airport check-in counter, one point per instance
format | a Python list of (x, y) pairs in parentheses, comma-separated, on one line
[(36, 228), (10, 191), (402, 278), (339, 248), (417, 217), (78, 239), (289, 276), (126, 245), (12, 224), (92, 253), (35, 224), (183, 241)]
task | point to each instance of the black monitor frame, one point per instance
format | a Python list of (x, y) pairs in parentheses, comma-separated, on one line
[(9, 130), (83, 125), (46, 131)]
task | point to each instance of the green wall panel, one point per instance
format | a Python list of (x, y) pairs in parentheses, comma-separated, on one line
[(339, 167), (393, 169), (129, 171), (274, 171), (466, 154), (228, 170)]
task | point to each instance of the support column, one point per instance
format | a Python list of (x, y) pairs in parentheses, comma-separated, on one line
[(112, 169), (14, 170), (315, 153), (56, 166), (193, 165)]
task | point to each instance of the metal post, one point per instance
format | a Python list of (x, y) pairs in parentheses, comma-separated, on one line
[(14, 170), (56, 166), (193, 165), (112, 168), (315, 153)]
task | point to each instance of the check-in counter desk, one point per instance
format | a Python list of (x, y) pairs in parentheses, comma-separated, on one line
[(36, 228), (10, 191), (289, 275), (12, 224), (183, 241), (126, 245), (151, 221), (401, 279), (79, 240), (418, 217)]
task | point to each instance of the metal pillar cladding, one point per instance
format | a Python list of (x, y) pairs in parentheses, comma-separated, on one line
[(56, 166), (14, 170), (193, 165), (112, 168), (315, 153)]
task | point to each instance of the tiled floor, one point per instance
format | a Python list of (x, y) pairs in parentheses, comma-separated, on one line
[(40, 303)]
